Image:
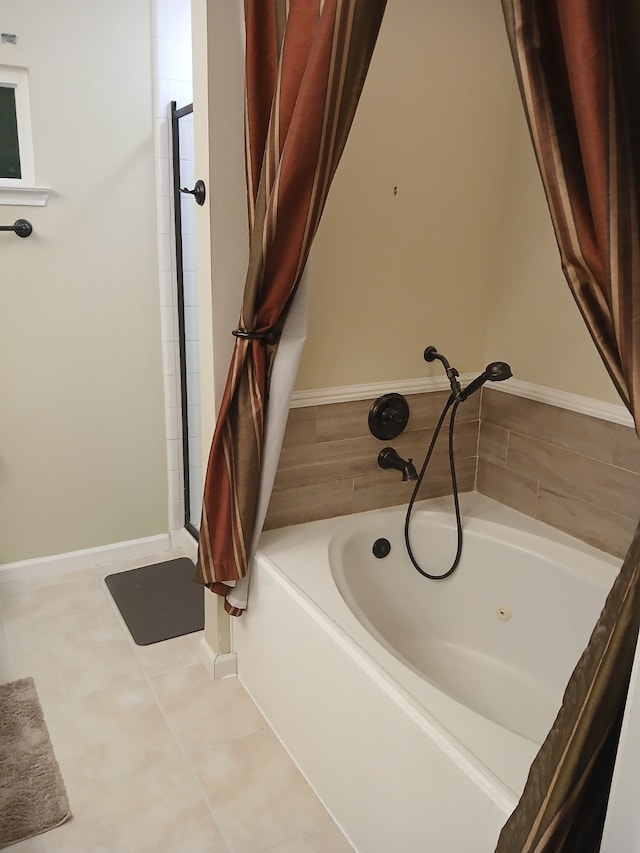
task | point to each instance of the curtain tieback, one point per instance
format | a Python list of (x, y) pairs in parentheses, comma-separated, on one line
[(269, 336)]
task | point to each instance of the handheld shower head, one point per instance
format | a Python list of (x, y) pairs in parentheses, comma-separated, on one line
[(497, 371)]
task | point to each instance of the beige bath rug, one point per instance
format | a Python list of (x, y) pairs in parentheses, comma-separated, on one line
[(32, 794)]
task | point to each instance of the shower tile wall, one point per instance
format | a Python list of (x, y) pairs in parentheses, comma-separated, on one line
[(575, 472), (328, 465), (171, 25)]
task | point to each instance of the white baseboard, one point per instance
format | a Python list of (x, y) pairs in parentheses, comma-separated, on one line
[(217, 666), (59, 564)]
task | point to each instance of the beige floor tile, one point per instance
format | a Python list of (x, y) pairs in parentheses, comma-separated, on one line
[(7, 669), (257, 795), (203, 712), (68, 665), (159, 810), (56, 609), (130, 788), (45, 581), (170, 654), (38, 844), (108, 735), (322, 839)]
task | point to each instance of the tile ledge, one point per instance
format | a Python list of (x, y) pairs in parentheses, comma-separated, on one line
[(540, 393), (350, 393), (566, 400)]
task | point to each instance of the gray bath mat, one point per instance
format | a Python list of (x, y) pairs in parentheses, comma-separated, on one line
[(159, 602), (32, 794)]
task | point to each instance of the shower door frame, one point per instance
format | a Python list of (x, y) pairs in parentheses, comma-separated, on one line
[(176, 115)]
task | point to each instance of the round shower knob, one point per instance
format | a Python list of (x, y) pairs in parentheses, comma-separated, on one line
[(388, 416)]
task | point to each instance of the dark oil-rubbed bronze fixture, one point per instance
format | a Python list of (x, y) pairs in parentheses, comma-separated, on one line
[(21, 227), (199, 192), (388, 416)]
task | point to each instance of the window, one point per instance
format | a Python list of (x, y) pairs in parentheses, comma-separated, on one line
[(17, 173), (9, 148)]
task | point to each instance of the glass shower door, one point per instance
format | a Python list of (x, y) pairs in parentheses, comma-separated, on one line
[(187, 302)]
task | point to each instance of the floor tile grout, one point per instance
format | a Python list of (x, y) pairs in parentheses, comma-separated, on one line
[(180, 756), (184, 754)]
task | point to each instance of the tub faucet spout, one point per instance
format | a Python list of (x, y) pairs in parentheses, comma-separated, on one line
[(388, 458)]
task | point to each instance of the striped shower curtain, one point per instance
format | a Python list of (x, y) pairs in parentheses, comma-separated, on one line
[(306, 62), (579, 77)]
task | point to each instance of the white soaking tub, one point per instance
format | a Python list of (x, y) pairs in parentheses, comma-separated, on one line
[(415, 707)]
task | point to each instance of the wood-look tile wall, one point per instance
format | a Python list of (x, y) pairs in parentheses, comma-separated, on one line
[(329, 460), (575, 472)]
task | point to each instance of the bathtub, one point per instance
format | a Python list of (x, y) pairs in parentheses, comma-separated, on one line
[(414, 707)]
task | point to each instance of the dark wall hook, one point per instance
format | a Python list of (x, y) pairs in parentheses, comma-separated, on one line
[(199, 192), (21, 227)]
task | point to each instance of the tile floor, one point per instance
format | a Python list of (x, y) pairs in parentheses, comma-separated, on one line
[(156, 757)]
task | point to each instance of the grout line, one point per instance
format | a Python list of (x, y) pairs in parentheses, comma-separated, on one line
[(184, 756), (183, 753), (506, 450)]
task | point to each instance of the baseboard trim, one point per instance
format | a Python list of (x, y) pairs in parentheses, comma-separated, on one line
[(217, 666), (60, 564)]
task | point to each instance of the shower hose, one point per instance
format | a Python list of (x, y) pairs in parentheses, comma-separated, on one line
[(453, 405)]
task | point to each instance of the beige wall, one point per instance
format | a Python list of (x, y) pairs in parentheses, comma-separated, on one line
[(392, 273), (82, 454), (533, 321), (463, 256)]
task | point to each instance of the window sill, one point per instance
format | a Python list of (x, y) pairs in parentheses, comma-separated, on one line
[(31, 196)]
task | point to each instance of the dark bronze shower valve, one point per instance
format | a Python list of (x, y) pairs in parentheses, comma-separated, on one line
[(388, 416)]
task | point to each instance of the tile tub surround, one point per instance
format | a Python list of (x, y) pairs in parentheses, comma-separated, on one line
[(329, 460), (578, 473)]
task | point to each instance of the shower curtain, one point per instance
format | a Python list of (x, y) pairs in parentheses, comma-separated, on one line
[(579, 78), (306, 62)]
